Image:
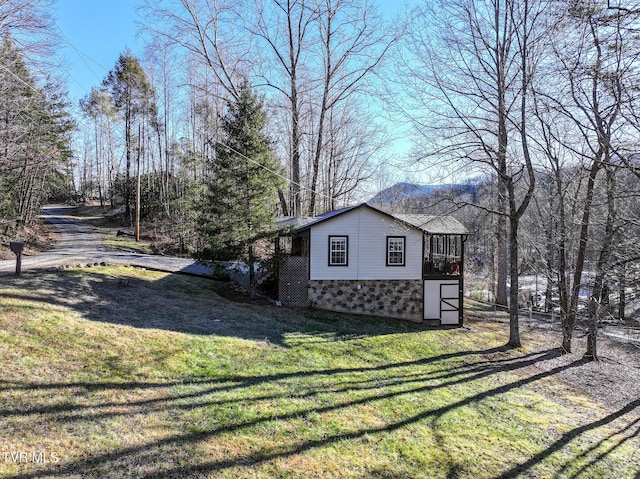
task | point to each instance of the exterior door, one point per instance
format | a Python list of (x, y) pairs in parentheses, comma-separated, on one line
[(442, 300), (449, 303)]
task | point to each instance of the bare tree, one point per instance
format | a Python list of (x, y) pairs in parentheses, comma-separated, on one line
[(595, 63), (163, 64), (30, 24), (98, 106), (285, 29), (352, 141), (210, 30), (470, 85), (352, 47)]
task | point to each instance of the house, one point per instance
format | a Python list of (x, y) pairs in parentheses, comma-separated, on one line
[(366, 261)]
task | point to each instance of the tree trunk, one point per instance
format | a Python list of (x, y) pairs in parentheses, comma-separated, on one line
[(600, 292), (592, 331), (622, 300), (567, 328), (316, 159), (563, 291), (251, 272), (127, 140), (514, 326), (283, 202), (501, 264), (295, 190), (296, 200), (328, 73), (98, 149)]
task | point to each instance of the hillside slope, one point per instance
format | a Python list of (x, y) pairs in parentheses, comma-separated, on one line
[(122, 372)]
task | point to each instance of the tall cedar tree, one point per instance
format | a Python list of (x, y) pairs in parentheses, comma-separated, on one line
[(242, 184)]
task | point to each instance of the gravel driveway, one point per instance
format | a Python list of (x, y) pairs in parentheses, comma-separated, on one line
[(80, 244)]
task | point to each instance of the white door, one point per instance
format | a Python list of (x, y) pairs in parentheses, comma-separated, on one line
[(442, 301), (449, 303)]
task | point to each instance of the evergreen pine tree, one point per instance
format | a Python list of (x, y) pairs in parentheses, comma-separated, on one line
[(134, 97), (241, 192), (35, 130)]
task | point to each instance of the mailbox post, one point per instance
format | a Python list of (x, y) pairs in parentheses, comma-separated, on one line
[(16, 247)]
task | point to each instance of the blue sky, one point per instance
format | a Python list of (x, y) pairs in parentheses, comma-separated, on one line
[(95, 32)]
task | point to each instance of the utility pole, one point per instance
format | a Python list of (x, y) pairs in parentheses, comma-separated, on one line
[(137, 226)]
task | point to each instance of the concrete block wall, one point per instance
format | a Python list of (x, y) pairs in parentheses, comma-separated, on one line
[(389, 298)]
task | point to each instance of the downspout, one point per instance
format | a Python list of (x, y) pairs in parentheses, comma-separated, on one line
[(423, 259), (463, 240)]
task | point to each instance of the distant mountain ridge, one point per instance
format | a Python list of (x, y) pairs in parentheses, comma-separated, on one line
[(404, 191)]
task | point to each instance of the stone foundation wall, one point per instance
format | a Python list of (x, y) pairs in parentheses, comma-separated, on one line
[(389, 298)]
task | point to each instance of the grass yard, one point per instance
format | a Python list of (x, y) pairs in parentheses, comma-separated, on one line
[(120, 372)]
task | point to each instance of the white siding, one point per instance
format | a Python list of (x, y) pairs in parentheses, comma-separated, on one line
[(367, 255)]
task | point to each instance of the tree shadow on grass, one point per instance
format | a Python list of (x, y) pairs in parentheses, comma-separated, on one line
[(342, 389), (626, 433), (466, 372), (207, 393), (190, 305), (306, 392)]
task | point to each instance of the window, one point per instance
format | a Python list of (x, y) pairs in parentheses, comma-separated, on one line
[(395, 250), (338, 250)]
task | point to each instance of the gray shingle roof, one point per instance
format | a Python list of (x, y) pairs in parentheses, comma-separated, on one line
[(428, 223), (433, 224)]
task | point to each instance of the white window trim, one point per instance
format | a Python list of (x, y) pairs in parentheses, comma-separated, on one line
[(403, 250), (331, 250)]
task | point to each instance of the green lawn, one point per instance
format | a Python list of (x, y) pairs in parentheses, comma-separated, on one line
[(121, 372)]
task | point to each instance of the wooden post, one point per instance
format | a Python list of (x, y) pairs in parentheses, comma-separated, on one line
[(18, 264)]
